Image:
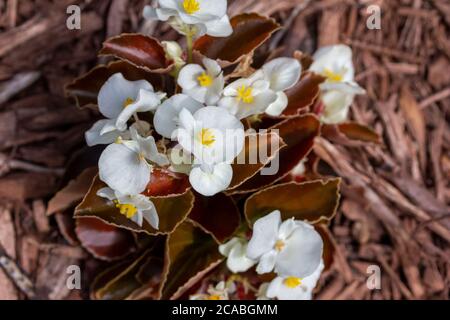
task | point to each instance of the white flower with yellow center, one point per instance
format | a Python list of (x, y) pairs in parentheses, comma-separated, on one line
[(166, 116), (236, 252), (206, 16), (282, 74), (221, 291), (247, 96), (126, 165), (214, 138), (339, 89), (291, 248), (293, 288), (204, 85), (135, 207), (118, 100)]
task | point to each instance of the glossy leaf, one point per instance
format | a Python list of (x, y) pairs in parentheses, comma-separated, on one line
[(73, 193), (217, 215), (190, 254), (259, 150), (140, 50), (103, 240), (85, 88), (172, 210), (120, 281), (314, 201), (356, 131), (298, 134), (165, 183), (328, 245), (350, 134), (303, 94), (250, 30)]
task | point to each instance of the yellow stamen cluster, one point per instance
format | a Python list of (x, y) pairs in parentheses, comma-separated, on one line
[(127, 102), (204, 80), (333, 76), (292, 282), (191, 6), (126, 209), (279, 245), (245, 94), (207, 137), (214, 297)]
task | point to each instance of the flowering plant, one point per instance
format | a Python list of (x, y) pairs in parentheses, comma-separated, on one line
[(203, 189)]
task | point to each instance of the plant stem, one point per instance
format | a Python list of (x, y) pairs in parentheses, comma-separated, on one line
[(189, 45)]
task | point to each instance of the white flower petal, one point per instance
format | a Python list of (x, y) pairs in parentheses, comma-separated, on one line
[(107, 193), (166, 116), (146, 101), (152, 217), (286, 228), (337, 105), (187, 78), (282, 73), (225, 248), (123, 170), (278, 106), (231, 130), (212, 67), (265, 233), (301, 254), (219, 27), (237, 260), (266, 262), (114, 93), (94, 135), (209, 184), (147, 147), (344, 87), (138, 218)]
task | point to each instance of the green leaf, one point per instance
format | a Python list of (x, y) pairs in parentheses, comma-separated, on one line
[(217, 215), (250, 30), (142, 51), (172, 210), (298, 133), (190, 254), (314, 201)]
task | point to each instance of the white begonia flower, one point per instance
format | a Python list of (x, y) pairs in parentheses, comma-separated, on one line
[(248, 96), (123, 165), (118, 100), (135, 207), (211, 134), (166, 116), (236, 252), (338, 91), (221, 291), (207, 17), (282, 74), (293, 288), (214, 137), (292, 248), (204, 85)]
